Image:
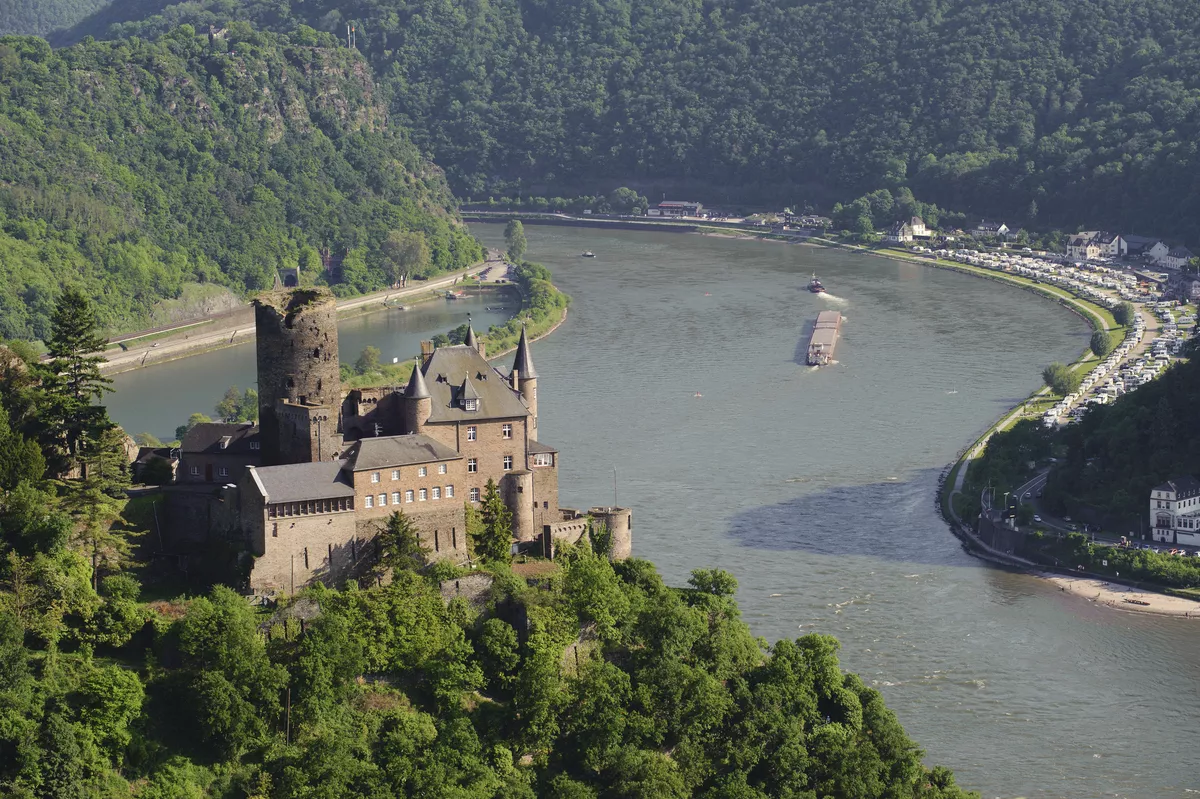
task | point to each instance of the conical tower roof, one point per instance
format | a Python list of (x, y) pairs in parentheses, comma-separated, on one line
[(470, 340), (523, 363), (416, 384)]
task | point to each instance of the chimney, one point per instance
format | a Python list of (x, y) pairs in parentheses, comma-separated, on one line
[(426, 353)]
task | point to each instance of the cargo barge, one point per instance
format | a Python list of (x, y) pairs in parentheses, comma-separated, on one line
[(824, 338)]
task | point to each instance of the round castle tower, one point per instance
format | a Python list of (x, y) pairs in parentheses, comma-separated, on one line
[(619, 524), (299, 378), (418, 404), (524, 380)]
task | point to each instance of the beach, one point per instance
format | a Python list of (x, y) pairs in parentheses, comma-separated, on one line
[(1115, 594)]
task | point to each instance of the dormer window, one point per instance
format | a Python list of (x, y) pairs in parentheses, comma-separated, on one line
[(470, 405), (225, 441)]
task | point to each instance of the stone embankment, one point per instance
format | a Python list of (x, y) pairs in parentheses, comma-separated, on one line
[(202, 335)]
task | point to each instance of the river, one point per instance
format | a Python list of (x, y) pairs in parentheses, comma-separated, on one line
[(815, 488)]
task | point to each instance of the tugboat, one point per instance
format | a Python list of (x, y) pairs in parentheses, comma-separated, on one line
[(815, 286), (587, 254)]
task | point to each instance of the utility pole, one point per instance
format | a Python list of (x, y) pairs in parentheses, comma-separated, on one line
[(615, 487)]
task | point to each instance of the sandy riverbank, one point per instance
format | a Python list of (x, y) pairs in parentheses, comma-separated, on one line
[(1114, 595)]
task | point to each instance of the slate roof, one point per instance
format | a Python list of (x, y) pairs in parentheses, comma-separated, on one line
[(386, 452), (537, 446), (208, 437), (523, 363), (992, 226), (1180, 252), (444, 375), (416, 385), (296, 482), (1182, 486)]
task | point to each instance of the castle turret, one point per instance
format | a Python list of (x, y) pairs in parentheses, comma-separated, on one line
[(418, 404), (473, 341), (618, 524), (299, 378), (524, 380)]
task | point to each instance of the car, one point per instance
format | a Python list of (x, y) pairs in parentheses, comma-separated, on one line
[(1037, 518), (1028, 495)]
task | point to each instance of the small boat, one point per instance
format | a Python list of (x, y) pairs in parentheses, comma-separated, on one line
[(455, 295), (1136, 601), (815, 286), (587, 254)]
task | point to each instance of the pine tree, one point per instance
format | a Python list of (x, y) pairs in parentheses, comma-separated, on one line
[(68, 421), (493, 540), (401, 545)]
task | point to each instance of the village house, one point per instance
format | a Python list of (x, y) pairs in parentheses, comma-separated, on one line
[(1175, 511), (1140, 246), (1177, 258), (919, 230), (900, 233), (1083, 247), (1157, 251), (675, 208), (986, 228)]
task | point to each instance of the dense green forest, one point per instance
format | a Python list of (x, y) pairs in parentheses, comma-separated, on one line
[(1045, 112), (136, 169), (39, 17), (585, 679)]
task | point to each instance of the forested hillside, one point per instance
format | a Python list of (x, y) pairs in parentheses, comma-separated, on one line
[(132, 169), (1045, 112), (42, 16)]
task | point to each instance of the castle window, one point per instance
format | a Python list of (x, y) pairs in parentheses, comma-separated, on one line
[(441, 468), (449, 492), (543, 459), (254, 444), (382, 500), (408, 495), (474, 494), (370, 501), (422, 495), (472, 465), (395, 497), (506, 430), (422, 471), (395, 474), (507, 463), (195, 471), (471, 433), (470, 405), (223, 471), (437, 493), (374, 477)]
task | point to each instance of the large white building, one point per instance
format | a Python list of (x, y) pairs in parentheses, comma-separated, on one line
[(1175, 511)]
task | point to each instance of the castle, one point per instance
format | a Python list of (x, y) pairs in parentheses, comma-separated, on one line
[(309, 488)]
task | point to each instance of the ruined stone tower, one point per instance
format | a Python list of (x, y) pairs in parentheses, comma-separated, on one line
[(299, 380)]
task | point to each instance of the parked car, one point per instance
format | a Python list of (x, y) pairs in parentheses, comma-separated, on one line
[(1037, 518)]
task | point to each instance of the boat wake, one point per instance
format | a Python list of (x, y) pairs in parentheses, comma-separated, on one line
[(952, 391)]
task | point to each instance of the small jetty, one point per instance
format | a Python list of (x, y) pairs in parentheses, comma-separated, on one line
[(824, 338)]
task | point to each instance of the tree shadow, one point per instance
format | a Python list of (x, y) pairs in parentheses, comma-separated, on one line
[(889, 520)]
